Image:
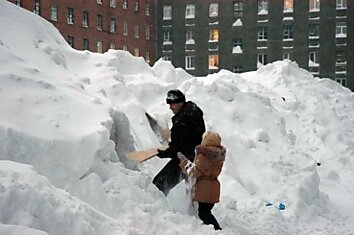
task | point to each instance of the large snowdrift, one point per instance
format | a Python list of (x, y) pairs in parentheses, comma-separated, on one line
[(69, 117)]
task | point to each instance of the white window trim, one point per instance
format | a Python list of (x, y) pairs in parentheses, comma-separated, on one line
[(316, 5), (167, 12), (190, 11), (112, 3), (341, 4), (213, 10), (54, 12), (190, 62)]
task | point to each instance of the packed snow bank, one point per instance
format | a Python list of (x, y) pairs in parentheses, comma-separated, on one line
[(71, 117)]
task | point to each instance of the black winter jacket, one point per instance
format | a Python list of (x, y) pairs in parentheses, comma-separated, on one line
[(186, 132)]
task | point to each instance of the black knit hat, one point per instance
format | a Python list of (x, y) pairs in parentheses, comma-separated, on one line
[(175, 96)]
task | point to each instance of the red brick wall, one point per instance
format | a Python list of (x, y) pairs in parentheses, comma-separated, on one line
[(92, 34)]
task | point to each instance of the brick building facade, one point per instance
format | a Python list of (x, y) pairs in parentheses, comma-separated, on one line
[(98, 25)]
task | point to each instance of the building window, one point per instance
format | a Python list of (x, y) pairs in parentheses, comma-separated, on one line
[(112, 46), (70, 41), (341, 30), (314, 31), (341, 4), (237, 69), (99, 48), (288, 5), (147, 9), (213, 61), (112, 3), (85, 43), (213, 35), (136, 52), (125, 4), (112, 25), (238, 9), (342, 81), (166, 36), (18, 3), (85, 19), (262, 60), (314, 5), (213, 10), (341, 57), (286, 55), (190, 11), (190, 62), (136, 6), (99, 1), (125, 28), (167, 12), (167, 58), (288, 32), (189, 37), (137, 31), (37, 7), (237, 46), (262, 34), (262, 7), (125, 48), (54, 12), (147, 32), (99, 22), (313, 59), (70, 15), (147, 56)]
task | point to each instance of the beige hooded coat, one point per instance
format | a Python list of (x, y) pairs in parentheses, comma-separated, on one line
[(208, 164)]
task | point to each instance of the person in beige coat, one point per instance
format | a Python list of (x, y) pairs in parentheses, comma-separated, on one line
[(210, 156)]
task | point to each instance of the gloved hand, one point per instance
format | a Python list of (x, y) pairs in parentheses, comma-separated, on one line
[(183, 164)]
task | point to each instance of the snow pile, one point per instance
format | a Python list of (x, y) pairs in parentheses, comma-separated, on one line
[(69, 117)]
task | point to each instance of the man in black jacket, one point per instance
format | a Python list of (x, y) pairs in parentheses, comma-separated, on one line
[(186, 133)]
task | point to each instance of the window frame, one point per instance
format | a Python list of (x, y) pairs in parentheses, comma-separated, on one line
[(54, 12), (99, 22), (214, 35), (112, 3), (85, 19), (262, 59), (167, 12), (190, 11), (213, 64), (237, 9), (125, 28), (341, 4), (70, 15), (314, 5), (85, 44), (99, 47), (342, 27), (288, 6), (189, 62), (288, 32), (213, 10), (262, 7), (112, 24), (262, 33), (137, 31), (37, 7)]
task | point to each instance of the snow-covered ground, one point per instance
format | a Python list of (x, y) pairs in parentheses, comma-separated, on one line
[(69, 117)]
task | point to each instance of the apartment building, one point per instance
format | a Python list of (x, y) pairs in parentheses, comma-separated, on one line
[(204, 36), (99, 25)]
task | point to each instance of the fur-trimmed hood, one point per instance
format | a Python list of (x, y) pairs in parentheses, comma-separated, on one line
[(214, 153)]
